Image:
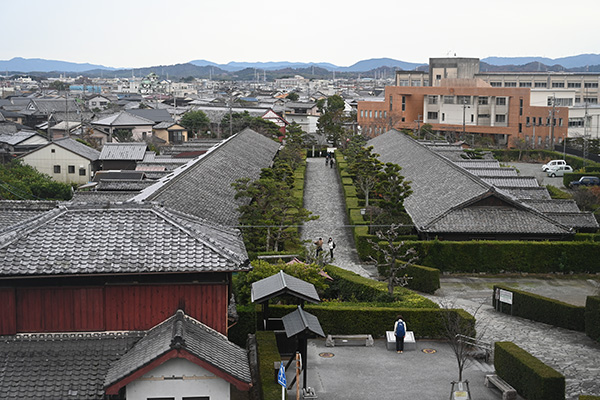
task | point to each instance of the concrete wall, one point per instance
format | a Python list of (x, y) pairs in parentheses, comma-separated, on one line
[(178, 378), (46, 158)]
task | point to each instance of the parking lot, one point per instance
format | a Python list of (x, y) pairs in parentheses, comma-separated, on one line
[(535, 170)]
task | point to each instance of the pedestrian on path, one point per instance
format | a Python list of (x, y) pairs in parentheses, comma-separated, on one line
[(331, 162), (319, 244), (400, 332), (331, 245)]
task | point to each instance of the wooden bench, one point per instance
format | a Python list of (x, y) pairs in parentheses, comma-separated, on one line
[(508, 392), (409, 341), (349, 340)]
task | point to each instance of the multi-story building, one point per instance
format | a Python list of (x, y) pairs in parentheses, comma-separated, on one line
[(504, 115)]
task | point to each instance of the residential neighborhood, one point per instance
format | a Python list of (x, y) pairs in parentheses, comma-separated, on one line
[(145, 219)]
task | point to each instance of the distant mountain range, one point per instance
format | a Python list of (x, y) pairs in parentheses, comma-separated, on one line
[(249, 71)]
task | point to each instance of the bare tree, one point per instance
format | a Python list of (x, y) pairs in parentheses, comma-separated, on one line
[(397, 256), (464, 335)]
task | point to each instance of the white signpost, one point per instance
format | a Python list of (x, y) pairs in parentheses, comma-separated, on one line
[(506, 297)]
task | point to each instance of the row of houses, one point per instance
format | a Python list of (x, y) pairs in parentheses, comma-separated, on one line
[(129, 300)]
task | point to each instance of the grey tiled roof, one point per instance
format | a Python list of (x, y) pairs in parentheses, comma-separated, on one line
[(515, 181), (17, 137), (495, 220), (124, 185), (492, 172), (535, 193), (102, 196), (558, 205), (128, 238), (446, 197), (59, 365), (123, 151), (300, 321), (181, 332), (578, 220), (203, 188), (78, 148), (154, 115), (478, 164), (280, 284), (15, 211), (123, 118)]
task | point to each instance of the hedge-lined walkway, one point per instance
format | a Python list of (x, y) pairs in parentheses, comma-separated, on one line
[(323, 196), (571, 353)]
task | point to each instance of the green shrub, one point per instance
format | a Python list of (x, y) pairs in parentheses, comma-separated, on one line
[(587, 237), (268, 355), (542, 309), (509, 256), (556, 193), (424, 279), (345, 319), (531, 378), (592, 317), (348, 286), (589, 397), (246, 323)]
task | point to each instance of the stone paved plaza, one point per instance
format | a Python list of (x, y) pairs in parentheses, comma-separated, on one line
[(569, 352)]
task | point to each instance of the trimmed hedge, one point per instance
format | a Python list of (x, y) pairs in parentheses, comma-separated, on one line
[(532, 379), (509, 256), (424, 279), (344, 320), (589, 397), (592, 317), (589, 237), (542, 309), (268, 354)]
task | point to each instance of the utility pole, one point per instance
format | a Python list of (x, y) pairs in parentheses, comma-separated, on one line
[(552, 118)]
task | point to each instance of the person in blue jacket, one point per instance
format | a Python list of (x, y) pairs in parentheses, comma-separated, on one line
[(400, 332)]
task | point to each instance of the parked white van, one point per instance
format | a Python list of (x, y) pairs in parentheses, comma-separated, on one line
[(559, 170), (553, 163)]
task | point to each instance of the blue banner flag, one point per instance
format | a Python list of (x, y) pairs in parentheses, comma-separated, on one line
[(281, 376)]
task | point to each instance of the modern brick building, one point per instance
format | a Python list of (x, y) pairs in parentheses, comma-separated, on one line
[(463, 108)]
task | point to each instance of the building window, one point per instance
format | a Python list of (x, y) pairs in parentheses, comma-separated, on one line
[(82, 172), (443, 116), (403, 119), (483, 116), (541, 84), (558, 84), (57, 169), (501, 118), (482, 101), (463, 99), (432, 99), (500, 101), (71, 169), (432, 115), (391, 102), (52, 150), (496, 84), (404, 82), (539, 121), (560, 123), (385, 114), (527, 121), (520, 128), (574, 84), (438, 77), (590, 84), (472, 118), (426, 82), (415, 83), (370, 113), (362, 113), (510, 84), (524, 84), (520, 106), (590, 100), (403, 103), (448, 99), (176, 137)]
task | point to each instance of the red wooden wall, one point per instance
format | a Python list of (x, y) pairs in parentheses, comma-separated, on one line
[(137, 307)]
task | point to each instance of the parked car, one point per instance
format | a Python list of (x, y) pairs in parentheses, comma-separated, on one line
[(559, 170), (553, 163), (585, 181)]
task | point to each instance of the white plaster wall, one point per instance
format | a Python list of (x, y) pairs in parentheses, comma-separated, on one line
[(44, 161), (191, 380)]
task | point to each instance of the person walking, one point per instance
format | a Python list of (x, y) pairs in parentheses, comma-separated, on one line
[(319, 244), (331, 162), (400, 332), (331, 246)]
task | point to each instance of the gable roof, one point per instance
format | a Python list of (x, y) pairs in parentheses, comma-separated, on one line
[(181, 337), (118, 239), (123, 118), (18, 137), (156, 115), (282, 283), (202, 187), (300, 321), (446, 197), (123, 151), (78, 148)]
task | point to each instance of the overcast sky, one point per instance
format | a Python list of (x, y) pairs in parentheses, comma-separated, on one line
[(140, 33)]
